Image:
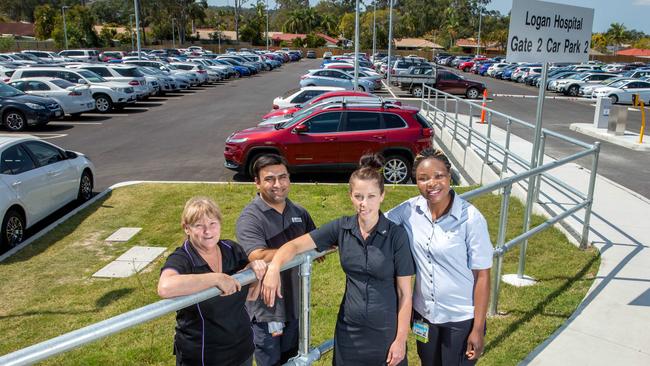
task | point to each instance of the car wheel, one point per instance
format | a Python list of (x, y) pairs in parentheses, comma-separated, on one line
[(13, 229), (249, 167), (85, 187), (103, 103), (361, 88), (417, 91), (15, 121), (397, 170), (472, 93), (614, 99), (573, 90)]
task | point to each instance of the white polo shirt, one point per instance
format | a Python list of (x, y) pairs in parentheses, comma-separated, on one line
[(445, 251)]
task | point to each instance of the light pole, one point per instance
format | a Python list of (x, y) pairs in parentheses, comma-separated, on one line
[(480, 19), (390, 42), (374, 34), (356, 46), (131, 25), (65, 28), (137, 24), (173, 34), (267, 25)]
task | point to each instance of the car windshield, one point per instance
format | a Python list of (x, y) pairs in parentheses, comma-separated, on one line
[(91, 76), (297, 117), (63, 84), (618, 84), (8, 91)]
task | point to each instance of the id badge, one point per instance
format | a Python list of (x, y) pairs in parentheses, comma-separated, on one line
[(421, 331)]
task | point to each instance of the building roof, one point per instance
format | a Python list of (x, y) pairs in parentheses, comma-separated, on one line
[(472, 43), (17, 29), (416, 43), (639, 52)]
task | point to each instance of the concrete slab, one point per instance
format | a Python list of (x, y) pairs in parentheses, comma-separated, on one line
[(124, 234), (120, 269), (141, 254), (514, 280), (629, 140)]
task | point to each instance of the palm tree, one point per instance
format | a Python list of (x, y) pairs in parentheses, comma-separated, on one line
[(328, 24), (617, 34), (295, 22)]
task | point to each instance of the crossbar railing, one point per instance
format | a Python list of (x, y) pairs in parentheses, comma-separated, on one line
[(436, 105)]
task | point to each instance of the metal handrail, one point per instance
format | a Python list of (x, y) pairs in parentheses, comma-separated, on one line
[(96, 331)]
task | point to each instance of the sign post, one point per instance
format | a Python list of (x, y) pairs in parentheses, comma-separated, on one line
[(545, 32)]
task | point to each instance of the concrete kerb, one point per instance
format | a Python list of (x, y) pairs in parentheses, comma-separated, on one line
[(101, 195)]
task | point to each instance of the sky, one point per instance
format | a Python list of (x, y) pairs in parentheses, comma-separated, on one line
[(634, 14)]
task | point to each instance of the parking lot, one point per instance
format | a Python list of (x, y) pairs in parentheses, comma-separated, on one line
[(181, 136)]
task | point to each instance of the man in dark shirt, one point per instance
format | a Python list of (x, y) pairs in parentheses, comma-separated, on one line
[(264, 226)]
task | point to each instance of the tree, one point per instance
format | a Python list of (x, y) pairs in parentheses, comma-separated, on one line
[(295, 22), (107, 35), (44, 20), (616, 34), (328, 24), (314, 41), (297, 42), (599, 42), (346, 25), (80, 30)]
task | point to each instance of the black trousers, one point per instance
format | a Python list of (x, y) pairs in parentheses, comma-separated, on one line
[(447, 343)]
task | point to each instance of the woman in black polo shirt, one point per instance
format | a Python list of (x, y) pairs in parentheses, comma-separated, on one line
[(373, 319), (216, 331)]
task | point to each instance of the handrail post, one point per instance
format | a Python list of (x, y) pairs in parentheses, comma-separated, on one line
[(444, 121), (501, 238), (435, 107), (489, 139), (422, 97), (305, 300), (469, 130), (506, 151), (584, 240), (540, 160)]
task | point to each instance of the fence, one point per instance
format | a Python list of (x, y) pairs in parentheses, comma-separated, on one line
[(443, 110)]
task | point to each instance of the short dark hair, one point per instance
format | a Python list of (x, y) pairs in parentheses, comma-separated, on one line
[(268, 160), (430, 153)]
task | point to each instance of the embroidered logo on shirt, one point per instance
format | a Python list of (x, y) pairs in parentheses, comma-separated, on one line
[(296, 219)]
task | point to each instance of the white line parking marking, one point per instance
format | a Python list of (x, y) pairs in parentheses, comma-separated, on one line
[(49, 136), (74, 123), (546, 97), (389, 89)]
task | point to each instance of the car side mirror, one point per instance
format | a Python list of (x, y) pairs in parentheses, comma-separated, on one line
[(71, 154), (303, 128), (81, 81)]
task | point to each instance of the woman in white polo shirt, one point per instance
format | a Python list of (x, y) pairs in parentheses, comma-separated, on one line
[(453, 255)]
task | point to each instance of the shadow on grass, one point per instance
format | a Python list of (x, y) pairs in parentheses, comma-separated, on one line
[(539, 308), (112, 296), (58, 232)]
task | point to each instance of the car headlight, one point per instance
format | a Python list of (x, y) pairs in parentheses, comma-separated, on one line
[(34, 106), (236, 141)]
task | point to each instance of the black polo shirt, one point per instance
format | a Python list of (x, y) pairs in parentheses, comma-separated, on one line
[(216, 331), (261, 227), (370, 266)]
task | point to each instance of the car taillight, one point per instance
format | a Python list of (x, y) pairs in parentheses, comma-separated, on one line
[(275, 106), (426, 132), (134, 82), (74, 93)]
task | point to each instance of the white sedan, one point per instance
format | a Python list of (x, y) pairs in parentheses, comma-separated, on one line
[(36, 179), (623, 90), (74, 99), (301, 95)]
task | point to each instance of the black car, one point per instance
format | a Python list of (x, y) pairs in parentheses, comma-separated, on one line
[(19, 110)]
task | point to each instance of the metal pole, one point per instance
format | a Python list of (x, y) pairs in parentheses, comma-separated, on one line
[(137, 24), (356, 46), (173, 34), (584, 241), (540, 159), (533, 164), (390, 42), (305, 292), (506, 152), (488, 141), (480, 19), (501, 237), (374, 33), (470, 126), (131, 26), (267, 25), (65, 28)]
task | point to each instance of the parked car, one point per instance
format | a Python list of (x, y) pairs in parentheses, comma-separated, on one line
[(73, 99), (571, 86), (81, 55), (301, 95), (333, 77), (416, 77), (36, 179), (334, 137), (126, 74), (622, 91), (327, 55), (108, 95), (587, 90), (19, 110), (332, 94)]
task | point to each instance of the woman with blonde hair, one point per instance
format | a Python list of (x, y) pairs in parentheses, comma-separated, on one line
[(216, 331)]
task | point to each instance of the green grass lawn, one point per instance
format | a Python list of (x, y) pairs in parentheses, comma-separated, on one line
[(48, 289)]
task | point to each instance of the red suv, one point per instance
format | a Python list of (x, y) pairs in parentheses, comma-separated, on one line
[(333, 138)]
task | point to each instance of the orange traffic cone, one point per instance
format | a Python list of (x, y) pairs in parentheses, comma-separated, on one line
[(485, 94)]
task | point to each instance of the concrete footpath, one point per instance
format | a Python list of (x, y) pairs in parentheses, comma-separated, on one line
[(612, 324)]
